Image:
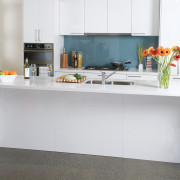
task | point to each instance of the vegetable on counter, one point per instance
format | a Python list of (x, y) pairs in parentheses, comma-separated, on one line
[(71, 78), (78, 76)]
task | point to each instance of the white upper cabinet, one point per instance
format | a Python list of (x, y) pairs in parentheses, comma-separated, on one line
[(145, 17), (30, 20), (39, 21), (170, 27), (71, 17), (46, 21), (119, 16), (96, 12)]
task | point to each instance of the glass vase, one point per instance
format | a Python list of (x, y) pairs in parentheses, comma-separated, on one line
[(164, 74)]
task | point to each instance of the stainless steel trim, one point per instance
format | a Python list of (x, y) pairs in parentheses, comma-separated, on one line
[(39, 51), (77, 33), (107, 34), (133, 34)]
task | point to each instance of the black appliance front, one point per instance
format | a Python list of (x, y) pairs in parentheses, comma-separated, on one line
[(39, 54)]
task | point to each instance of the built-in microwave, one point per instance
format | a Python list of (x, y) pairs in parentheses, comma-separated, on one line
[(39, 54)]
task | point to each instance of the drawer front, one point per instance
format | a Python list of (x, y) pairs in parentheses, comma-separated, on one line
[(175, 78), (92, 75), (142, 77), (99, 76), (118, 77)]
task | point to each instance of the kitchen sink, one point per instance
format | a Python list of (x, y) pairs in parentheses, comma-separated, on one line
[(98, 82), (125, 83)]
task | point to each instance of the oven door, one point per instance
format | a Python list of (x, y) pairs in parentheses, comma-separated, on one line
[(39, 57)]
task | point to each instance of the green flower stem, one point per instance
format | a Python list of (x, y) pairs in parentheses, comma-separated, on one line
[(164, 68)]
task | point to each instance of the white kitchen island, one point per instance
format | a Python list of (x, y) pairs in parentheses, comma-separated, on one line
[(139, 121)]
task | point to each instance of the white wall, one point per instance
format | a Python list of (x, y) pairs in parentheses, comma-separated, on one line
[(11, 46)]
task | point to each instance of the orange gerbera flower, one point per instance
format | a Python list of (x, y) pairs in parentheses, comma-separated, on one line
[(150, 50), (175, 49), (167, 51), (155, 52), (178, 48), (145, 53), (162, 52)]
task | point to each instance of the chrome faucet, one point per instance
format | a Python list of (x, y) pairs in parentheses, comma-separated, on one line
[(104, 77)]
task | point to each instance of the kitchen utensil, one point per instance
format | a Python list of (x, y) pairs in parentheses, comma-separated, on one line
[(118, 65), (64, 59)]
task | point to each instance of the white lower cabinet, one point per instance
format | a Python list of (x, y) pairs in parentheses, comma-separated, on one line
[(95, 129), (151, 128), (27, 130)]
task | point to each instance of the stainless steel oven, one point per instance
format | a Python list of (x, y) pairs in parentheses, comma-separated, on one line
[(39, 54)]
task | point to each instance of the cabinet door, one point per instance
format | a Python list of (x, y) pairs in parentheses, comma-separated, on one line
[(46, 21), (96, 16), (30, 20), (170, 28), (145, 17), (119, 16), (72, 17)]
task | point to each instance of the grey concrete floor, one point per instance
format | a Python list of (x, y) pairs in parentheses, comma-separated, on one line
[(16, 164)]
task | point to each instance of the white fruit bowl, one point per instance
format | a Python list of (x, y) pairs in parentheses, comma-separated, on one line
[(8, 78)]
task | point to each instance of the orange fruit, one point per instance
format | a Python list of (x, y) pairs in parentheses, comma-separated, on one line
[(13, 72), (6, 72)]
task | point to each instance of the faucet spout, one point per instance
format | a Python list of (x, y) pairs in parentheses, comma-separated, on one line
[(104, 78)]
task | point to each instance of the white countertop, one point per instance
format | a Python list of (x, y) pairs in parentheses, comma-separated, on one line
[(139, 88), (130, 71)]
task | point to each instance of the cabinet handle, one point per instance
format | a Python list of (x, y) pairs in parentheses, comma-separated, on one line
[(36, 35), (176, 78), (76, 33), (138, 33), (178, 67), (135, 76), (39, 35)]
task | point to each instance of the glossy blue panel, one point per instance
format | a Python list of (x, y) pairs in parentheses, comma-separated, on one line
[(101, 50)]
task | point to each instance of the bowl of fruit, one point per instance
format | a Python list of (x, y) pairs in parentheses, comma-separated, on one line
[(8, 76)]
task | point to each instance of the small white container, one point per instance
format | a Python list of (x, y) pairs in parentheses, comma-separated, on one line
[(7, 78), (140, 67)]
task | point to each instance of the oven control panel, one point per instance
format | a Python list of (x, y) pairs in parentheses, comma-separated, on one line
[(38, 46)]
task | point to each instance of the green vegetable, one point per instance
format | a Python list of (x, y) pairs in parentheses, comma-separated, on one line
[(2, 74), (78, 76)]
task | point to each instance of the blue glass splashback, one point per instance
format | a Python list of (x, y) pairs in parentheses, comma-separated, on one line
[(102, 50)]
